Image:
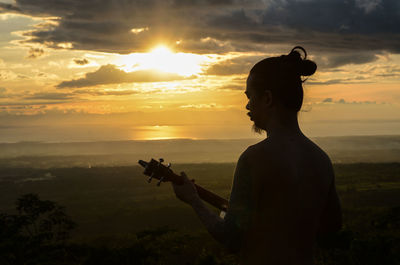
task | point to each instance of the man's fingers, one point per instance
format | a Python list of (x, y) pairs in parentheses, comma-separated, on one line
[(185, 177)]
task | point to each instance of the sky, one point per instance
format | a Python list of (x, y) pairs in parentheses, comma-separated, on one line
[(154, 69)]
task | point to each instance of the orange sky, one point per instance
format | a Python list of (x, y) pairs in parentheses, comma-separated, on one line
[(177, 84)]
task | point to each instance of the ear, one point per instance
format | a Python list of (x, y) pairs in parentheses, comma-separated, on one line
[(267, 98)]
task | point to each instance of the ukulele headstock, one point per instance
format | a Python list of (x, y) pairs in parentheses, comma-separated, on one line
[(156, 170)]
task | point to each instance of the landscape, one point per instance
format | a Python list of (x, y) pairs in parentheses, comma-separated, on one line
[(89, 88), (113, 216)]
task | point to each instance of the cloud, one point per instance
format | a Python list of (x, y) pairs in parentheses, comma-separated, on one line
[(50, 96), (352, 80), (232, 87), (336, 16), (8, 75), (343, 101), (239, 65), (34, 53), (4, 7), (368, 5), (95, 92), (3, 92), (110, 74), (81, 61), (65, 96), (206, 26), (335, 61), (199, 106)]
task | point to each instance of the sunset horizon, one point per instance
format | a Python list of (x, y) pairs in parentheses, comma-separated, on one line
[(167, 70)]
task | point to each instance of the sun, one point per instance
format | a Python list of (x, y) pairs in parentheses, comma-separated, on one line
[(161, 50), (162, 58)]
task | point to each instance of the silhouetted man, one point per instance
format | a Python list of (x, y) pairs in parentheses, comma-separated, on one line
[(283, 194)]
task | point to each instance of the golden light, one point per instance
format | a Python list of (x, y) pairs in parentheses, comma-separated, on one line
[(156, 132), (162, 58)]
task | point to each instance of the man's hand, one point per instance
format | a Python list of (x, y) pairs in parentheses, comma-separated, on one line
[(186, 192), (214, 224)]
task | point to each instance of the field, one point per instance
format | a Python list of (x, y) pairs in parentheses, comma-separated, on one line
[(115, 207)]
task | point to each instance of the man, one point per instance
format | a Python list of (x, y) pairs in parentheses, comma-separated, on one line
[(283, 194)]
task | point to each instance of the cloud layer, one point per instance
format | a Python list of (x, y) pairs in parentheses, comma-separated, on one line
[(110, 74), (206, 26)]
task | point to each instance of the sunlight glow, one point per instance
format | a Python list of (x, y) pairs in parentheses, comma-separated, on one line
[(157, 132), (161, 58)]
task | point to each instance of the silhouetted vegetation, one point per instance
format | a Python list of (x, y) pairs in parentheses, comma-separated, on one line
[(36, 233), (124, 220)]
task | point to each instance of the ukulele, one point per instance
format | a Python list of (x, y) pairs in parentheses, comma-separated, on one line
[(156, 170)]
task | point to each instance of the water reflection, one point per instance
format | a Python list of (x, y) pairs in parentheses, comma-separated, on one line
[(156, 132), (191, 131)]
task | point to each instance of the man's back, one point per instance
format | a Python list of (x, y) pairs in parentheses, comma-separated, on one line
[(291, 179)]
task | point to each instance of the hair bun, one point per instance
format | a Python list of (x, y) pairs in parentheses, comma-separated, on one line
[(307, 68), (303, 67)]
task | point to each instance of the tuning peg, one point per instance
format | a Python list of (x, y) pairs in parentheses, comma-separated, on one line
[(169, 165), (161, 160), (159, 182), (149, 180)]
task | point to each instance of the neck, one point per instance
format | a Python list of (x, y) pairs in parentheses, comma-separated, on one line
[(284, 125)]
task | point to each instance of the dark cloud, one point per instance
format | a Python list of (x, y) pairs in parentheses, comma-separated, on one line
[(356, 79), (343, 101), (8, 7), (334, 61), (34, 53), (96, 92), (50, 96), (243, 64), (109, 74), (240, 65), (232, 87), (328, 82), (81, 61), (206, 26), (350, 17), (388, 75)]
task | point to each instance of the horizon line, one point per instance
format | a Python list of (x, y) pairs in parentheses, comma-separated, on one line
[(189, 139)]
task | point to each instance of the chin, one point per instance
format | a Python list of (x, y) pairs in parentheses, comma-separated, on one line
[(257, 129)]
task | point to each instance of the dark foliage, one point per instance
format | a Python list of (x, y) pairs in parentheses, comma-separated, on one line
[(37, 232), (124, 220)]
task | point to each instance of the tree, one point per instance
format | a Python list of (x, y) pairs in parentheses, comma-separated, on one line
[(39, 227)]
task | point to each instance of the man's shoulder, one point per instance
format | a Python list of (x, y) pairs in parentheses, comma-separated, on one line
[(323, 156), (260, 149), (272, 152)]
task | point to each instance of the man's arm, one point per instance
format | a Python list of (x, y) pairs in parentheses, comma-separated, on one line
[(226, 230), (214, 224)]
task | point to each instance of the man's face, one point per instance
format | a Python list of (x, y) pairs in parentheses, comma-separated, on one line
[(255, 109)]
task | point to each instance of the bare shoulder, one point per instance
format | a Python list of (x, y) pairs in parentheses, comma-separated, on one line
[(320, 155), (300, 152), (256, 154), (263, 147), (252, 152)]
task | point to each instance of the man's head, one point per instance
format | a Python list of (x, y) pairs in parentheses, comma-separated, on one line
[(274, 86)]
